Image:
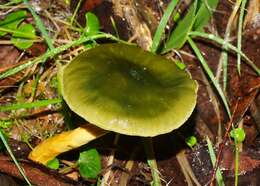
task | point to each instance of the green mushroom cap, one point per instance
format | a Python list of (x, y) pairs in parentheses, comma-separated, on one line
[(124, 89)]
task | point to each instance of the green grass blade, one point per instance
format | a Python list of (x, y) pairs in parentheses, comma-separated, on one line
[(75, 12), (15, 70), (204, 14), (210, 74), (151, 160), (9, 4), (43, 58), (239, 33), (17, 32), (161, 27), (58, 50), (114, 26), (224, 54), (13, 158), (40, 25), (41, 103), (212, 155), (14, 16), (229, 46), (180, 33)]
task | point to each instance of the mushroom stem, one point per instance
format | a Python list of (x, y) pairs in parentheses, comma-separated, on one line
[(52, 147)]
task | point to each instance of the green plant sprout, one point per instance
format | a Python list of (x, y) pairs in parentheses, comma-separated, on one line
[(191, 141), (238, 134), (89, 164)]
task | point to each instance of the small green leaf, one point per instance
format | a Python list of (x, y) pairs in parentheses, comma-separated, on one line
[(204, 14), (180, 33), (12, 20), (54, 164), (25, 31), (238, 134), (89, 164), (19, 40), (92, 24), (180, 64), (191, 141)]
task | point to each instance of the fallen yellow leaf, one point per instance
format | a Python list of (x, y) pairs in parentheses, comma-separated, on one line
[(52, 147)]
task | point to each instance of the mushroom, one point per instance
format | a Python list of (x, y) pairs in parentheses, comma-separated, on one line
[(121, 88)]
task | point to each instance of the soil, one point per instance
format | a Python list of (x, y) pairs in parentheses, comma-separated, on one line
[(178, 164)]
